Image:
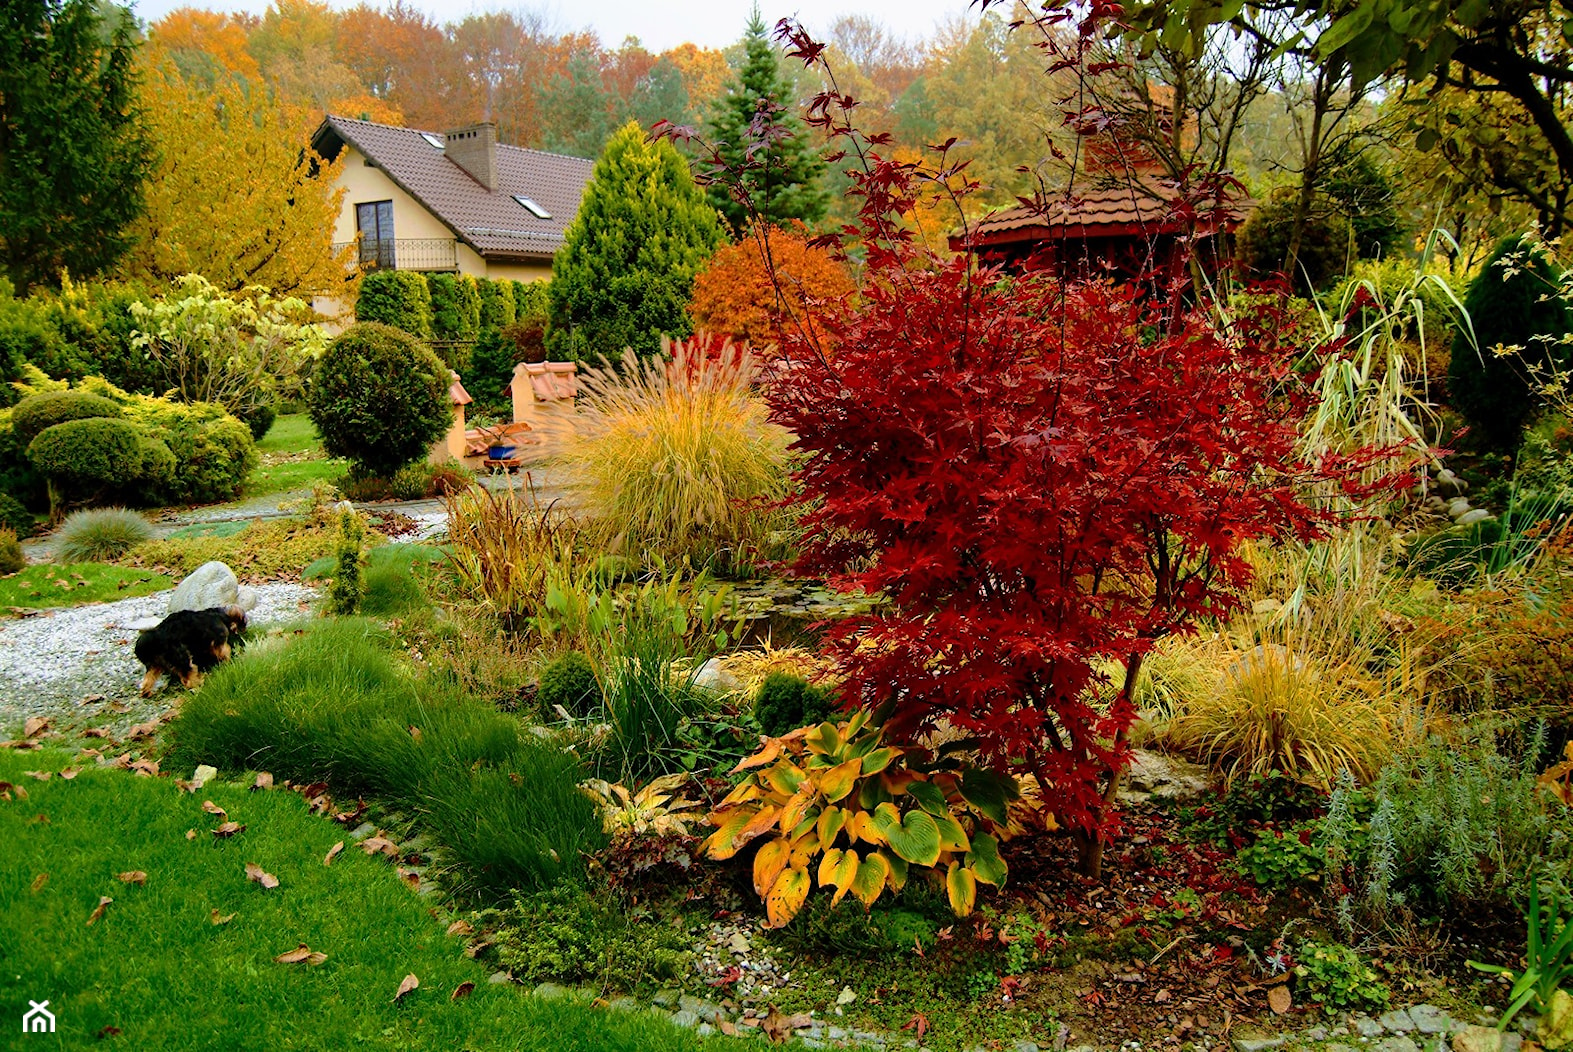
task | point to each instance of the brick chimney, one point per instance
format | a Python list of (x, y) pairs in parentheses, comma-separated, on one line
[(474, 148)]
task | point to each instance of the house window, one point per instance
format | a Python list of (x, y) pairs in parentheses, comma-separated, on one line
[(530, 206), (374, 220)]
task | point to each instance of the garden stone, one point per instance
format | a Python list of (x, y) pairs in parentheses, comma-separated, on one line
[(1167, 776), (209, 585), (1449, 484), (1397, 1043), (1512, 1042), (1335, 1047), (1457, 506), (1257, 1044), (1368, 1027), (738, 943), (704, 1030), (712, 675), (551, 991), (624, 1004), (1397, 1020), (498, 978), (1026, 1046), (685, 1018), (701, 1008), (1316, 1033), (362, 831), (1472, 517), (1429, 1019), (1478, 1039), (836, 1033), (666, 998)]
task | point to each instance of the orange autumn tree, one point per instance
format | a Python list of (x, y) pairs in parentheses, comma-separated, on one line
[(734, 294)]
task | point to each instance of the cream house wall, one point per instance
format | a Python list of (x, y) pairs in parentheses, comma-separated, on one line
[(364, 184), (519, 271)]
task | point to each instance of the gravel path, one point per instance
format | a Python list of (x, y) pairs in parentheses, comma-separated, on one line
[(51, 664)]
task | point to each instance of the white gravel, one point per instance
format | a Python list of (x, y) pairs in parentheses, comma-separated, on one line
[(51, 663)]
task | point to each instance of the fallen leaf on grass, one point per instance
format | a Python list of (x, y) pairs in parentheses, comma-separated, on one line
[(375, 844), (463, 990), (229, 829), (103, 904), (146, 768), (1279, 999), (302, 954), (33, 726), (778, 1028), (405, 987), (42, 776), (191, 834), (39, 882), (415, 732), (142, 730), (412, 879), (214, 809), (69, 773), (476, 948), (258, 874), (264, 781), (460, 927), (109, 1031), (95, 732), (7, 790), (19, 745), (333, 853), (132, 876), (221, 919)]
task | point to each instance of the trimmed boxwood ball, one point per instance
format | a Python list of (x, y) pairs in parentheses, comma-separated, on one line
[(785, 702), (39, 412), (570, 682), (380, 398), (85, 459)]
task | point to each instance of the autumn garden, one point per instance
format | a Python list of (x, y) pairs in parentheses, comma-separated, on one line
[(892, 641)]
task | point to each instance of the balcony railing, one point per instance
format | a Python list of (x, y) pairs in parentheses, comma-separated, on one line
[(404, 253)]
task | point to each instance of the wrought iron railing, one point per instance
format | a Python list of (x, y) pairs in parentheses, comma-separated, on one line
[(404, 253)]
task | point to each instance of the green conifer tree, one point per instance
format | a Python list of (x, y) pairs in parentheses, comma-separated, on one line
[(73, 150), (782, 180), (626, 269)]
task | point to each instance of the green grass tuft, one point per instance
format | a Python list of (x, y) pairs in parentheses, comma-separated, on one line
[(45, 585), (334, 703), (99, 535), (157, 968)]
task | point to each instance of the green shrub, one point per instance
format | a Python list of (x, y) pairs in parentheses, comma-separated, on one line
[(498, 309), (421, 480), (27, 338), (379, 398), (348, 587), (490, 368), (92, 459), (451, 317), (785, 702), (1264, 243), (1280, 860), (393, 579), (11, 557), (569, 682), (468, 293), (1339, 977), (399, 298), (1508, 305), (14, 516), (566, 935), (99, 535), (259, 418), (35, 413), (334, 704), (214, 451)]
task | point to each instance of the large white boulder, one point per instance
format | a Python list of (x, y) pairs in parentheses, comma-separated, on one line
[(209, 585)]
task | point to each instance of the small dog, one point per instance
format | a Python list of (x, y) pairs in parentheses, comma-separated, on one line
[(188, 643)]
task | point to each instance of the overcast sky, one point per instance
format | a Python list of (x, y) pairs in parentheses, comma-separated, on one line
[(659, 24)]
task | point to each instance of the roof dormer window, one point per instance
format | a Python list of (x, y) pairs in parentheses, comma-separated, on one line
[(531, 207), (429, 137)]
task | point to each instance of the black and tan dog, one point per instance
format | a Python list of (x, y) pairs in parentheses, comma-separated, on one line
[(188, 643)]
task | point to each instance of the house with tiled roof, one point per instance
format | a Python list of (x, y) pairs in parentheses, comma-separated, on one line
[(458, 202)]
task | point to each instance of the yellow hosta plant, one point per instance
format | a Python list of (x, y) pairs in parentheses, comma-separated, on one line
[(654, 809), (846, 812)]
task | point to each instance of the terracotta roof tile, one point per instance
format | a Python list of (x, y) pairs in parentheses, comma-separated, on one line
[(489, 221), (1093, 211)]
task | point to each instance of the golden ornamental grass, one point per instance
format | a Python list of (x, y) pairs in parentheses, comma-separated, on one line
[(677, 455), (502, 546)]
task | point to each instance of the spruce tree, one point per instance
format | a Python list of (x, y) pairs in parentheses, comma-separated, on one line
[(73, 150), (782, 180), (626, 269)]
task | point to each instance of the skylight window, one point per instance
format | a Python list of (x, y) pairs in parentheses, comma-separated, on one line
[(531, 207), (429, 137)]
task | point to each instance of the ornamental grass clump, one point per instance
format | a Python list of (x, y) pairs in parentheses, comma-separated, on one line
[(100, 535), (678, 454)]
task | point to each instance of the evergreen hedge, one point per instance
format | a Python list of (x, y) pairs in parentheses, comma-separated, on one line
[(399, 298)]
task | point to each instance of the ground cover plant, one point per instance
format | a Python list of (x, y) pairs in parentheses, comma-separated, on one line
[(43, 585), (177, 899)]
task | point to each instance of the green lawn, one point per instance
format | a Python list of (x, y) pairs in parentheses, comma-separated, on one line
[(290, 433), (156, 967), (292, 459), (46, 584)]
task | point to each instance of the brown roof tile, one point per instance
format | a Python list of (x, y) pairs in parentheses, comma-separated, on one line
[(1095, 210), (489, 221)]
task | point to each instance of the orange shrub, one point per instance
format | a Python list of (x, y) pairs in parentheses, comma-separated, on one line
[(734, 295)]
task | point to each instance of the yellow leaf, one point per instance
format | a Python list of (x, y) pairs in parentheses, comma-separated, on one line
[(771, 750), (769, 863), (837, 870), (861, 828), (797, 808), (872, 873), (786, 897), (784, 778), (831, 820), (837, 782), (962, 887), (804, 849)]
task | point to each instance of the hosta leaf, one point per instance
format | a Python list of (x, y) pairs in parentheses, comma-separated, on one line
[(858, 721), (722, 843), (831, 820), (984, 860), (988, 792), (861, 827), (898, 868), (763, 820), (769, 863), (786, 897), (871, 794), (824, 740), (962, 887), (744, 791), (785, 777), (930, 797), (803, 850), (951, 836), (915, 837), (870, 880), (797, 809), (839, 780), (878, 760), (838, 870)]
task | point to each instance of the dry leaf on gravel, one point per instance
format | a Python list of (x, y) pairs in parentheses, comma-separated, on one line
[(142, 730), (302, 954), (103, 904), (146, 768), (33, 726), (257, 873), (406, 986), (778, 1028), (333, 853), (132, 876), (95, 732)]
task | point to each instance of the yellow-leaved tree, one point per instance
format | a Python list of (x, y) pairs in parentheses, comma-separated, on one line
[(237, 196)]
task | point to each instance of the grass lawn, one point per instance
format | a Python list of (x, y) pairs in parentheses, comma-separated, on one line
[(45, 584), (158, 969), (292, 459)]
